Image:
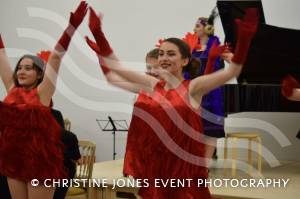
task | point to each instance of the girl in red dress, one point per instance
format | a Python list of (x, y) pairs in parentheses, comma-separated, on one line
[(30, 146), (165, 137)]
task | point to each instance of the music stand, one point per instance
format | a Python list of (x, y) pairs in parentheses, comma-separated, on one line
[(113, 126)]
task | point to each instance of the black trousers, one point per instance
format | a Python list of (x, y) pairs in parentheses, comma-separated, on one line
[(4, 190), (60, 192)]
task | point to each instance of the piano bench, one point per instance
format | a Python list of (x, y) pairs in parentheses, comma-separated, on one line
[(243, 135)]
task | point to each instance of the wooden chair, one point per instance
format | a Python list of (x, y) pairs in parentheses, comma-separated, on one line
[(243, 135), (84, 170)]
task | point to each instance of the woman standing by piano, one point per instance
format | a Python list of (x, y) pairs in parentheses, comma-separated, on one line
[(212, 114)]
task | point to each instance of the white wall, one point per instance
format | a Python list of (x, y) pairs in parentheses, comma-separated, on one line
[(133, 27)]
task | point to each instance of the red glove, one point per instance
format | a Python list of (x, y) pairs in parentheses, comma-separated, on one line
[(1, 43), (77, 17), (214, 52), (246, 29), (95, 47), (95, 27), (287, 85), (191, 40), (75, 20)]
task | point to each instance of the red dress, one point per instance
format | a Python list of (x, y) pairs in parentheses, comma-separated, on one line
[(30, 142), (160, 143)]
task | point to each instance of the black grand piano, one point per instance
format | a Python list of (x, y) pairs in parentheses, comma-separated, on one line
[(258, 88)]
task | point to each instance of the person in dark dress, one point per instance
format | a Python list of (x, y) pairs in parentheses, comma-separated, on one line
[(212, 103), (4, 190), (71, 154)]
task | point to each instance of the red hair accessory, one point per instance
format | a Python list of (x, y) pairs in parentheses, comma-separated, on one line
[(44, 55), (191, 40), (160, 41)]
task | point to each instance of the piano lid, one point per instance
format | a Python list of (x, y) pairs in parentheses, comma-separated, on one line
[(274, 51)]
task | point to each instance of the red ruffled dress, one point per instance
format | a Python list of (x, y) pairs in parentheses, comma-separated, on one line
[(163, 143), (30, 142)]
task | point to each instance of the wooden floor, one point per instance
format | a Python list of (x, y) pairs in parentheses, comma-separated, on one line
[(287, 170), (231, 197)]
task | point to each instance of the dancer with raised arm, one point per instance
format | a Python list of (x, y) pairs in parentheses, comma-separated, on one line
[(165, 137), (30, 143)]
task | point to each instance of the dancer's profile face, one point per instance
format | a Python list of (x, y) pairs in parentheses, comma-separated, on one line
[(151, 66), (199, 29), (27, 75), (170, 58)]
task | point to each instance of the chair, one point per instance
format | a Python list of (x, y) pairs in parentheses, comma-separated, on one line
[(67, 124), (84, 169), (243, 135)]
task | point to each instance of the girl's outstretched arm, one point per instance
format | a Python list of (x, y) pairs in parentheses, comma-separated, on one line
[(6, 72), (47, 87)]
